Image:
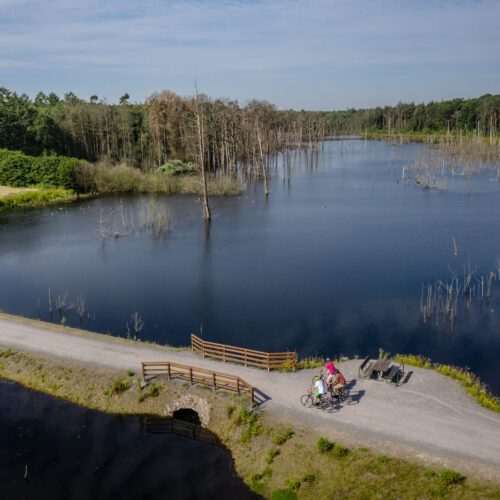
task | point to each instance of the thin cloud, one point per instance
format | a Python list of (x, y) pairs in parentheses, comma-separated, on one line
[(197, 39)]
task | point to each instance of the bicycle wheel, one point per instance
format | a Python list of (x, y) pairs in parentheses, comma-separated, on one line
[(307, 400)]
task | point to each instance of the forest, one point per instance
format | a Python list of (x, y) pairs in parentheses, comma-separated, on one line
[(480, 115), (168, 126)]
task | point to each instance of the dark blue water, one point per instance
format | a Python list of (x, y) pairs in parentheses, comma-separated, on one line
[(52, 449), (331, 263)]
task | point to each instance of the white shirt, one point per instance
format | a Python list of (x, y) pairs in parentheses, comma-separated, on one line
[(320, 386)]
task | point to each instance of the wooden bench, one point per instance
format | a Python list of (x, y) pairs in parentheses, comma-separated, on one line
[(365, 369), (381, 369), (394, 374)]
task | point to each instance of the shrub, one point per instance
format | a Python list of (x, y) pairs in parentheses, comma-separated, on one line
[(130, 373), (283, 437), (308, 478), (430, 473), (177, 167), (293, 484), (120, 385), (450, 477), (324, 445), (248, 416), (284, 495), (21, 170), (383, 459), (339, 450), (153, 391)]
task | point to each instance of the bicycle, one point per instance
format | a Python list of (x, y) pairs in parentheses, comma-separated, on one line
[(310, 400)]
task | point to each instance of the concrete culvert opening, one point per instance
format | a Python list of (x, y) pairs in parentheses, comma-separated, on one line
[(187, 415)]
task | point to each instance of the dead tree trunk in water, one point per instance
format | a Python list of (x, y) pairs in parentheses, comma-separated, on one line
[(201, 153), (264, 167)]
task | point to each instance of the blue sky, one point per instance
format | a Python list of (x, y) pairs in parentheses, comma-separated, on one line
[(315, 54)]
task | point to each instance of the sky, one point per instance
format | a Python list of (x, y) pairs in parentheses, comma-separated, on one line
[(317, 54)]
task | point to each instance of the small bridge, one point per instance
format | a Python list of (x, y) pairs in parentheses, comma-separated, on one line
[(248, 357), (216, 380)]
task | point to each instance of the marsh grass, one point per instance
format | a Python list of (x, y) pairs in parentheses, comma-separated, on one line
[(467, 379), (355, 475), (103, 178)]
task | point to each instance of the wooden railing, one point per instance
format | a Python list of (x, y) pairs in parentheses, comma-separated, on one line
[(193, 375), (248, 357)]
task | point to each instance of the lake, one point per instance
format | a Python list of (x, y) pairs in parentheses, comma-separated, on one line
[(332, 263), (52, 449)]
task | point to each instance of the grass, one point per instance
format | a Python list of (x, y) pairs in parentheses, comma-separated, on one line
[(283, 436), (355, 474), (103, 178), (471, 382), (31, 197)]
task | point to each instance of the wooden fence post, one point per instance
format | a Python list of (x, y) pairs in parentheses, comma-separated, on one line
[(246, 353), (224, 353), (168, 371), (191, 375), (268, 363), (214, 381), (238, 385), (143, 372)]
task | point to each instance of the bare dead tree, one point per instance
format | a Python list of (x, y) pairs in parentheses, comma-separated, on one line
[(201, 156)]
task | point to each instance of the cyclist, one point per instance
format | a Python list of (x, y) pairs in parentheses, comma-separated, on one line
[(329, 371), (319, 390), (338, 383)]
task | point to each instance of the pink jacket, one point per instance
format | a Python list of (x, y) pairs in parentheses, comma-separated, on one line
[(331, 367)]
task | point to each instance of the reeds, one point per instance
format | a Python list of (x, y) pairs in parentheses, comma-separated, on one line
[(441, 300), (104, 178)]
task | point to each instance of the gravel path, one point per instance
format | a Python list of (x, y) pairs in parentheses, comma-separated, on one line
[(430, 417)]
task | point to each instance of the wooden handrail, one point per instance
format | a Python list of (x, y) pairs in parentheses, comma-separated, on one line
[(247, 357), (217, 380)]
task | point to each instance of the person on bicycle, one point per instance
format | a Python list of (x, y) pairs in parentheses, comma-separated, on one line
[(338, 382), (319, 389), (329, 371)]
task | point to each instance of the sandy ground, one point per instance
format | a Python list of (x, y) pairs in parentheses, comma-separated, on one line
[(429, 418)]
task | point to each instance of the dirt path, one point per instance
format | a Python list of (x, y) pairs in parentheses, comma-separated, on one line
[(429, 418)]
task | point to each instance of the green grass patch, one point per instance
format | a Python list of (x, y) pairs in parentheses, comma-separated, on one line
[(40, 196), (283, 436), (284, 495), (323, 445), (120, 385), (471, 382)]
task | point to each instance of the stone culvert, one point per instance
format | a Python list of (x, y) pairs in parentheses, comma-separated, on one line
[(191, 402)]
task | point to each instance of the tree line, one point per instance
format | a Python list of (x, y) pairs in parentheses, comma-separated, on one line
[(146, 135), (480, 115), (168, 126)]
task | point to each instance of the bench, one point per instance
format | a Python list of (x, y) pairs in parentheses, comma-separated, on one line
[(394, 374), (365, 369), (381, 369)]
